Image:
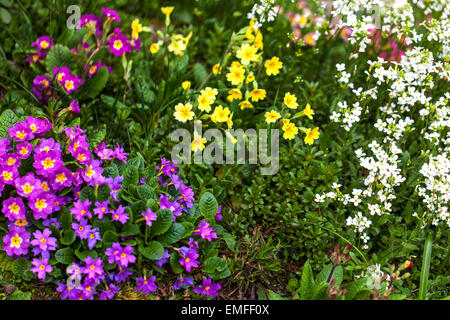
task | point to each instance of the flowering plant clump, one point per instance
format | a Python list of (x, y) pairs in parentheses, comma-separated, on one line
[(65, 208)]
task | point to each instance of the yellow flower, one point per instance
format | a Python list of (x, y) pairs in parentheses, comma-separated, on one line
[(290, 131), (245, 105), (198, 143), (234, 94), (154, 48), (272, 116), (216, 69), (273, 66), (177, 46), (205, 102), (183, 112), (286, 122), (136, 27), (308, 111), (311, 135), (211, 92), (257, 94), (220, 114), (236, 75), (290, 100), (247, 53), (258, 40), (167, 11), (250, 78), (249, 33), (186, 85), (230, 121), (236, 64)]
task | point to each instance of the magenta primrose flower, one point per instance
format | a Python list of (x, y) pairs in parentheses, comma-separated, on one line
[(120, 215), (43, 43), (16, 241), (81, 209), (13, 208), (205, 231), (111, 15), (41, 267), (149, 216), (43, 241), (146, 285), (208, 288), (23, 150), (101, 208), (94, 268), (182, 282), (118, 43), (82, 229), (189, 259)]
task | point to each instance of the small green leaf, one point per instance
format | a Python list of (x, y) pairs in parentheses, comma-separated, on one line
[(154, 251), (208, 205), (174, 234), (163, 222), (306, 282), (65, 256), (68, 238)]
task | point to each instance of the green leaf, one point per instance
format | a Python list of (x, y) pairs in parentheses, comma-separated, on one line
[(163, 222), (397, 296), (20, 266), (325, 273), (208, 205), (60, 56), (5, 16), (7, 119), (306, 282), (96, 136), (174, 264), (146, 192), (104, 225), (154, 251), (87, 193), (216, 268), (230, 241), (82, 255), (174, 234), (200, 72), (110, 237), (130, 230), (130, 177), (94, 85), (66, 219), (275, 296), (68, 238), (188, 229), (20, 295), (6, 262), (354, 288), (65, 256)]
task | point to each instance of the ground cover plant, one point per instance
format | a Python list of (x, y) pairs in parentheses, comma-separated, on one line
[(350, 98)]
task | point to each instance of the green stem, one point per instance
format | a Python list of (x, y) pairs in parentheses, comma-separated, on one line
[(426, 260)]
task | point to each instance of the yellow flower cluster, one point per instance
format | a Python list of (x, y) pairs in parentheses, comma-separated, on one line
[(240, 73)]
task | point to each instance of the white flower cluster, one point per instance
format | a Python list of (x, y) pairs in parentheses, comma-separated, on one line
[(412, 105), (436, 190), (263, 11)]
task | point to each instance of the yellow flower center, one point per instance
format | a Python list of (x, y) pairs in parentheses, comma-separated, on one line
[(16, 241), (40, 204), (48, 163), (117, 44), (7, 175)]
